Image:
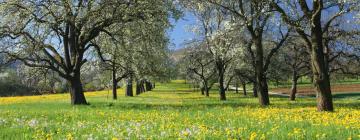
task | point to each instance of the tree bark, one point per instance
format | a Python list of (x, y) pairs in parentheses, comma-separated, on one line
[(255, 90), (147, 85), (206, 89), (221, 72), (222, 93), (236, 87), (141, 86), (244, 88), (76, 91), (319, 68), (203, 90), (115, 82), (138, 87), (261, 80), (129, 87), (143, 89), (207, 94), (264, 95), (294, 86)]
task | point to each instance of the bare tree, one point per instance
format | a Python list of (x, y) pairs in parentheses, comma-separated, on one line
[(200, 63), (296, 57)]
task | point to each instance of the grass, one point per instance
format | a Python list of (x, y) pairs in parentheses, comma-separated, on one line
[(173, 111)]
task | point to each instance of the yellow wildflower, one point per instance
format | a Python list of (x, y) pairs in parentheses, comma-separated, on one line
[(253, 136)]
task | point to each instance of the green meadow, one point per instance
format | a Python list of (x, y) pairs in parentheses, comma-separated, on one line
[(174, 111)]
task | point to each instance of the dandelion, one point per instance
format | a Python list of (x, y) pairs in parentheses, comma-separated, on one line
[(69, 136), (48, 136), (297, 130), (203, 127), (253, 136), (228, 131)]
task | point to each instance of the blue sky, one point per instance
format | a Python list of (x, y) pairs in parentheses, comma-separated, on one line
[(179, 34)]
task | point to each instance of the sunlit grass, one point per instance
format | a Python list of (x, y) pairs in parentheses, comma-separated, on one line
[(174, 111)]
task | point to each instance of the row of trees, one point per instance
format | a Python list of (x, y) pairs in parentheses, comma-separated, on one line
[(64, 36), (238, 40), (257, 40)]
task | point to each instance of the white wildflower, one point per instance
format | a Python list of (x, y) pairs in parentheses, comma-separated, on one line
[(33, 123)]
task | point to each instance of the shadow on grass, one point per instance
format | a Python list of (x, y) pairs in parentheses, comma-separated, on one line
[(172, 91), (336, 95), (347, 95), (208, 104)]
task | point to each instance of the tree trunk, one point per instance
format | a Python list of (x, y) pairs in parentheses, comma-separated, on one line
[(207, 94), (206, 88), (222, 93), (264, 94), (236, 87), (203, 90), (221, 72), (147, 85), (52, 86), (129, 87), (141, 86), (143, 89), (76, 91), (244, 88), (261, 80), (255, 90), (294, 86), (138, 87), (114, 86), (319, 68)]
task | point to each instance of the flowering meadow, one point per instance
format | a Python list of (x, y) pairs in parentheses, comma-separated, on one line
[(174, 111)]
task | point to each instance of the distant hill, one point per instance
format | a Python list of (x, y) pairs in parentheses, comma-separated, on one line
[(177, 54)]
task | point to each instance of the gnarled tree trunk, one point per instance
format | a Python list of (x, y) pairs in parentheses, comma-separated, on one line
[(76, 91), (319, 66)]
